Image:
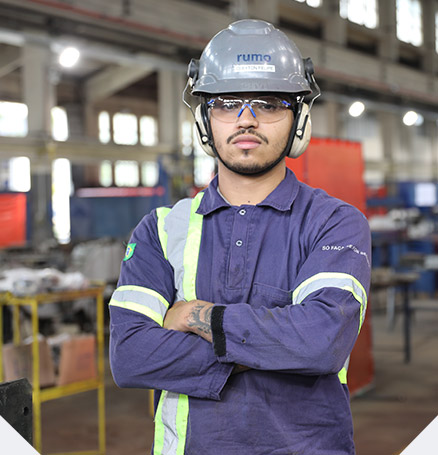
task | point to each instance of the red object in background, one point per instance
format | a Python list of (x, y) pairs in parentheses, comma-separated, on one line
[(337, 167), (12, 219)]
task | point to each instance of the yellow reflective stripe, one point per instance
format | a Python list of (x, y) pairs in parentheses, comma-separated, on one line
[(191, 250), (162, 234), (172, 413), (141, 305), (332, 279), (159, 427), (182, 416), (342, 375), (139, 309)]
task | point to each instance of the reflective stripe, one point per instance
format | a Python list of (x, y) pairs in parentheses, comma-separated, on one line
[(162, 234), (191, 250), (332, 280), (180, 231), (342, 375), (142, 300)]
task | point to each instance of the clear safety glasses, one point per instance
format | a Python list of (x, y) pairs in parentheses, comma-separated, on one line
[(267, 109)]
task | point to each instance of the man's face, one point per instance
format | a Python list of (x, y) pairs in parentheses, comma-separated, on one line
[(248, 144)]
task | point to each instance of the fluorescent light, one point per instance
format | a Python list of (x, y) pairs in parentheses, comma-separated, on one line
[(69, 57), (356, 109), (413, 118)]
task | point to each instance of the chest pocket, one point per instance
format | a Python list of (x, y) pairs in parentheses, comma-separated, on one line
[(270, 296)]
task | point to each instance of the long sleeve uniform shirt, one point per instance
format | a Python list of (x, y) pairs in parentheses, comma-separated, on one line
[(289, 278)]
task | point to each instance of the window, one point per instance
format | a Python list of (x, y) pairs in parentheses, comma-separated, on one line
[(19, 174), (148, 130), (62, 187), (409, 28), (126, 173), (106, 173), (59, 124), (149, 173), (313, 3), (104, 127), (13, 119), (363, 12), (125, 127)]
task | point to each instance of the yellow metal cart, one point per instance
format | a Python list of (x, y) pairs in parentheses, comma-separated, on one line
[(51, 393)]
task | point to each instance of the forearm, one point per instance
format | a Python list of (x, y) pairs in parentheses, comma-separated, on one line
[(145, 355), (315, 338)]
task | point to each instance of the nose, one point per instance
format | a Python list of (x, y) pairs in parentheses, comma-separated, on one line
[(246, 117)]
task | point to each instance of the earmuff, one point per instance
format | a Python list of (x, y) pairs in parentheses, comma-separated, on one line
[(303, 132), (203, 129)]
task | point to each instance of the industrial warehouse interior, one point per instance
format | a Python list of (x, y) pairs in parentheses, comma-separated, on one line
[(94, 135)]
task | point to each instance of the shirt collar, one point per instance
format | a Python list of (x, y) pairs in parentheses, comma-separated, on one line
[(280, 199)]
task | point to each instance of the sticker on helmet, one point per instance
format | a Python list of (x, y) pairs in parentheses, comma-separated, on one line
[(129, 251), (253, 68)]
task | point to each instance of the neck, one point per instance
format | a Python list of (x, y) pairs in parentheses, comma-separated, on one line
[(248, 189)]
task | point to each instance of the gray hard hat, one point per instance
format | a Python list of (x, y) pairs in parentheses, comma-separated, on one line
[(250, 56)]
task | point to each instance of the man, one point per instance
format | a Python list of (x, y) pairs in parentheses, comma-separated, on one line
[(240, 306)]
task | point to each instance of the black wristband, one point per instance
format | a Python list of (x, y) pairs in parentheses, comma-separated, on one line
[(219, 341)]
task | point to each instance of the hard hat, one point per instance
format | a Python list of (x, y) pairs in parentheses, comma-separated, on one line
[(251, 56), (254, 56)]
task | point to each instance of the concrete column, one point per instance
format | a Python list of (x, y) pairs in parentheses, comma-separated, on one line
[(334, 126), (388, 44), (39, 91), (265, 10), (335, 27), (390, 136), (39, 95), (430, 59), (239, 9), (431, 127), (170, 107)]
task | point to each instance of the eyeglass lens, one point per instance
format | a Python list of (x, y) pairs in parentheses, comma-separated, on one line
[(266, 109)]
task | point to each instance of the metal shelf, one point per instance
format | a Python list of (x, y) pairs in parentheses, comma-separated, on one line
[(51, 393)]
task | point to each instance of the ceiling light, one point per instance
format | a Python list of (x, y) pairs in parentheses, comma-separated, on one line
[(356, 109), (413, 118), (69, 57)]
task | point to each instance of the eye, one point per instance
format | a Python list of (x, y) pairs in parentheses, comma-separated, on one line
[(227, 105), (269, 104)]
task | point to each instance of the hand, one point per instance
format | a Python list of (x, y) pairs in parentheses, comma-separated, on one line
[(193, 316)]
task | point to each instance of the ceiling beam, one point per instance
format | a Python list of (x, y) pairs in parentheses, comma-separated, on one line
[(112, 80)]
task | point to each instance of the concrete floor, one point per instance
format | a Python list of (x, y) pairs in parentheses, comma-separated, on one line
[(402, 402)]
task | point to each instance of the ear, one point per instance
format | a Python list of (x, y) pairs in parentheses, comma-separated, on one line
[(303, 133), (201, 130)]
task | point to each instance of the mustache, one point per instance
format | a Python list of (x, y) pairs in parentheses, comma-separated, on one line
[(249, 130)]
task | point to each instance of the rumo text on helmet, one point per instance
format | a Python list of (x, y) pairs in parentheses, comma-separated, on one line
[(253, 58)]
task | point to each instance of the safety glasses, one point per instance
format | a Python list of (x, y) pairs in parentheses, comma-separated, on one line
[(267, 109)]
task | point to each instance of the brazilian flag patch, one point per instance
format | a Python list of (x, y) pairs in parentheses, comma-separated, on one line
[(129, 251)]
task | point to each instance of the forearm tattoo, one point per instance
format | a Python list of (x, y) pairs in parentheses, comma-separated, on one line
[(199, 320)]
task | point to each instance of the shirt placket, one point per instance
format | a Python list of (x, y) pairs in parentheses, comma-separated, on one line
[(239, 248)]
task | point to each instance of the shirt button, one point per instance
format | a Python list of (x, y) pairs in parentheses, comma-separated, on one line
[(242, 212), (239, 243)]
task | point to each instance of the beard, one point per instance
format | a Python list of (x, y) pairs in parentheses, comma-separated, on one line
[(252, 168)]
